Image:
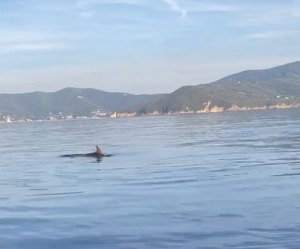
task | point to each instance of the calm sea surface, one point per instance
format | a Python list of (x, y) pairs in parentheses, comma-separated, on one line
[(229, 180)]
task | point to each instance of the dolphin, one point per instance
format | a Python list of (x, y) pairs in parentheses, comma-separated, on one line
[(97, 154)]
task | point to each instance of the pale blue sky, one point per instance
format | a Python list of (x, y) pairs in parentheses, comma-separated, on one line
[(141, 46)]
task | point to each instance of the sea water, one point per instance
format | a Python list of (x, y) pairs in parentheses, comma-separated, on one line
[(226, 180)]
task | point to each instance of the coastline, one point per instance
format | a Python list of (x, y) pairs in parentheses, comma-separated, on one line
[(206, 110)]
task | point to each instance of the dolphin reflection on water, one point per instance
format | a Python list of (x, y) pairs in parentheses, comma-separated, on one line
[(98, 154)]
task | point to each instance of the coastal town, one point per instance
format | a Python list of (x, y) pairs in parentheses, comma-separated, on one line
[(61, 116)]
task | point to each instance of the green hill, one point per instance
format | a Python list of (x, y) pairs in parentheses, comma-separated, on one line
[(277, 87), (248, 89), (70, 101)]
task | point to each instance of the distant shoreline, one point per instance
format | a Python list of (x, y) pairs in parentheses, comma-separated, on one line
[(157, 114)]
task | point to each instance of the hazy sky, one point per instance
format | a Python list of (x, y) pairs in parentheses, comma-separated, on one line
[(141, 46)]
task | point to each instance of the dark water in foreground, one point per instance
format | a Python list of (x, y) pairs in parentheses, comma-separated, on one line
[(228, 180)]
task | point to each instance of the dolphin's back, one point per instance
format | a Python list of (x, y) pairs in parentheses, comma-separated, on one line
[(98, 154)]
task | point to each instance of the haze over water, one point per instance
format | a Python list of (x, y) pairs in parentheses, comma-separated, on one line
[(226, 180)]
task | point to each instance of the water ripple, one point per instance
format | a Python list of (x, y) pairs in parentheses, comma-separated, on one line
[(227, 180)]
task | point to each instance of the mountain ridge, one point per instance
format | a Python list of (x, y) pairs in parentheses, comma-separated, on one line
[(70, 101), (277, 87), (262, 88)]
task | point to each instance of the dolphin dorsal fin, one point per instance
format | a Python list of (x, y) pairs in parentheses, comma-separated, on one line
[(98, 150)]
